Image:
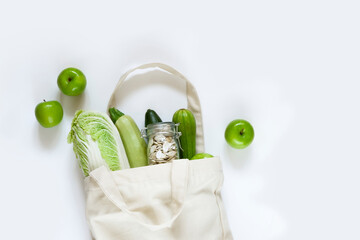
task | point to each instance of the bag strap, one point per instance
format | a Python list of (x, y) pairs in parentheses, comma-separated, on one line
[(192, 98), (179, 183)]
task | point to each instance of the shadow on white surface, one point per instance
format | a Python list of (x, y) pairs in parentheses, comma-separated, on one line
[(71, 104), (77, 173), (238, 158), (154, 89), (148, 79), (73, 198), (49, 137)]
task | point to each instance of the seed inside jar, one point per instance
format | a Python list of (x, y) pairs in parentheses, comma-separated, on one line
[(162, 149)]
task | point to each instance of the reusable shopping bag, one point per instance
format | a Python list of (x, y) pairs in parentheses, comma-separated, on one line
[(179, 200)]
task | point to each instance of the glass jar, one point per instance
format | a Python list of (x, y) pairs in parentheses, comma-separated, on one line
[(162, 142)]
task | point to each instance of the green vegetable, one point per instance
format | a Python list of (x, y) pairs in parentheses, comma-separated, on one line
[(151, 117), (96, 142), (115, 114), (187, 128), (134, 144)]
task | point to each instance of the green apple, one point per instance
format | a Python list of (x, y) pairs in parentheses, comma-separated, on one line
[(49, 114), (71, 81), (239, 133), (201, 156)]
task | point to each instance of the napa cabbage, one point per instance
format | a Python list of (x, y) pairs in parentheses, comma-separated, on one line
[(96, 142)]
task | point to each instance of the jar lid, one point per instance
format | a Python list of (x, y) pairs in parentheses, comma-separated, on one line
[(160, 127)]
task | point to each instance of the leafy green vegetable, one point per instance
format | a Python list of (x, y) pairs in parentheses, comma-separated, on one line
[(96, 142)]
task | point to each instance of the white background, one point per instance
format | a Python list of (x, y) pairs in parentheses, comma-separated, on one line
[(289, 67)]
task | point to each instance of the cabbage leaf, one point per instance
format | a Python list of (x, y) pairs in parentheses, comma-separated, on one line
[(96, 142)]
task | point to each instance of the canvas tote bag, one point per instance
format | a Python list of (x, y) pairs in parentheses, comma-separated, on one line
[(177, 200)]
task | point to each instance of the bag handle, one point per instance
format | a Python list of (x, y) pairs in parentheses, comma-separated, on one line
[(178, 180), (192, 98)]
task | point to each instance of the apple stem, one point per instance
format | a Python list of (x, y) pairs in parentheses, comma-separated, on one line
[(242, 131), (44, 100), (69, 79)]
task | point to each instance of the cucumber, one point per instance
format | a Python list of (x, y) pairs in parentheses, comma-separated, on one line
[(151, 117), (187, 127), (134, 144), (115, 114)]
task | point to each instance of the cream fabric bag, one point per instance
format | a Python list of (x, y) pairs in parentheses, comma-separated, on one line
[(177, 200)]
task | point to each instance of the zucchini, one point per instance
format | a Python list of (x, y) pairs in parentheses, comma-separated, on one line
[(115, 114), (151, 117), (134, 144), (187, 127)]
